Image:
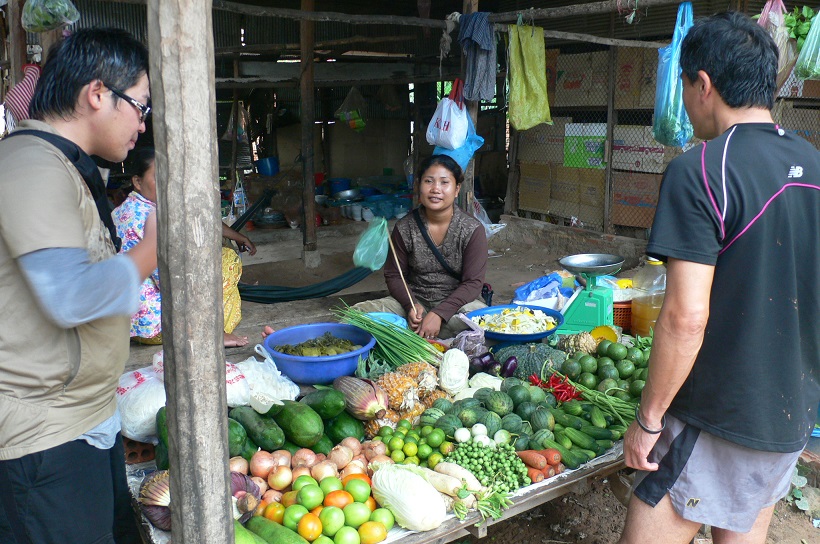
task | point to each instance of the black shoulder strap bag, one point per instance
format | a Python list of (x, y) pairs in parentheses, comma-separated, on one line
[(432, 246), (88, 170)]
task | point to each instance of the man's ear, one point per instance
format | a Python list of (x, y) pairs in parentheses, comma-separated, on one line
[(92, 94), (704, 85)]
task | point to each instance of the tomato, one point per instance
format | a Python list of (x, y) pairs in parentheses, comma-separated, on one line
[(356, 513), (359, 489), (260, 508), (371, 503), (354, 476), (323, 540), (372, 532), (331, 483), (383, 516), (302, 481), (309, 527), (289, 498), (310, 496), (332, 519), (347, 535), (339, 498), (318, 510), (292, 516), (274, 511)]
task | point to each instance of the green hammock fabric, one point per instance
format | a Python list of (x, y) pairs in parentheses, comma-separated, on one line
[(270, 294)]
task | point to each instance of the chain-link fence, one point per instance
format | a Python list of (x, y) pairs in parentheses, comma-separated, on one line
[(598, 166)]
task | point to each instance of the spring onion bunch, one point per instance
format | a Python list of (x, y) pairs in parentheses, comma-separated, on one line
[(394, 345)]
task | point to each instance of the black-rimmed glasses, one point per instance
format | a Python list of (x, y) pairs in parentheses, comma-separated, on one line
[(142, 108)]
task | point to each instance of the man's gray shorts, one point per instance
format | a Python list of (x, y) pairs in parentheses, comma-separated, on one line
[(711, 480)]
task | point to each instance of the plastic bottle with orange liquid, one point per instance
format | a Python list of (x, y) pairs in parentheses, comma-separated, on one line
[(648, 290)]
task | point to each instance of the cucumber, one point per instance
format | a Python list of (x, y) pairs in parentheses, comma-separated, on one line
[(161, 456), (162, 426), (563, 439), (580, 439), (590, 455), (243, 536), (604, 444), (571, 459), (263, 431), (236, 437), (272, 532), (596, 417), (328, 403), (342, 426), (558, 427), (300, 423), (565, 419), (290, 446), (573, 407), (324, 445), (598, 434)]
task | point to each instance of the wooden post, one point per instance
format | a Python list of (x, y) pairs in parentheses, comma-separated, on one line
[(310, 252), (235, 117), (182, 81), (48, 39), (327, 142), (611, 120), (17, 41), (511, 200), (466, 195)]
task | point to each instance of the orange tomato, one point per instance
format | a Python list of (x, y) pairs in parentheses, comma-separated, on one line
[(289, 498), (260, 508), (363, 477), (309, 527), (275, 511), (371, 532), (339, 498), (371, 503), (318, 510)]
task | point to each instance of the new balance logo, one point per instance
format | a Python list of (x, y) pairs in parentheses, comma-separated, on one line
[(692, 503), (796, 172)]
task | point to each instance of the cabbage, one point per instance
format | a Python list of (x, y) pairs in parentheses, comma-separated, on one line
[(454, 371), (482, 379), (415, 504)]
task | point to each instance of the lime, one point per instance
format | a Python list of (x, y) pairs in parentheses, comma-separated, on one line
[(385, 430), (588, 364), (435, 438), (623, 384), (603, 346), (636, 388), (604, 361), (395, 444), (646, 353), (404, 424), (623, 395), (412, 460), (399, 433), (626, 368), (571, 368), (578, 354), (397, 456), (427, 429), (604, 372), (410, 449), (378, 438), (635, 355), (414, 433), (641, 374), (616, 352), (588, 380), (411, 440), (424, 451), (606, 384), (434, 459)]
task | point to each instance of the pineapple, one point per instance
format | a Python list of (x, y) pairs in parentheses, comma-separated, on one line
[(389, 419), (429, 398), (401, 389), (583, 341), (424, 374), (412, 414)]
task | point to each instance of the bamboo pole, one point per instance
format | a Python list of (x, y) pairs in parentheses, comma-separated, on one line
[(17, 41), (261, 49), (310, 253)]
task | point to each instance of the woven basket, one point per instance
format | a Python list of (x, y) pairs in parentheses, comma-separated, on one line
[(622, 315)]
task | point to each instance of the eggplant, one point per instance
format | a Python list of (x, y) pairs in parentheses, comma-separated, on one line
[(487, 359), (494, 369), (509, 366), (476, 366)]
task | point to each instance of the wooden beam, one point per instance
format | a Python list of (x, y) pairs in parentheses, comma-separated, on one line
[(310, 253), (467, 193), (593, 8), (329, 44), (580, 37), (17, 41), (182, 67)]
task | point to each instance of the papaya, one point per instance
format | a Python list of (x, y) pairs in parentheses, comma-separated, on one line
[(300, 423)]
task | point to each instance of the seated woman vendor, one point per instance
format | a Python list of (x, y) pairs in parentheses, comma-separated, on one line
[(130, 216), (441, 253)]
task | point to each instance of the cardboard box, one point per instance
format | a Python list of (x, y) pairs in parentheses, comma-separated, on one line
[(591, 187), (591, 216), (635, 196), (805, 122), (596, 84), (634, 148), (584, 145), (551, 61), (630, 216), (563, 208), (543, 143), (534, 187), (572, 72), (649, 80), (628, 78), (565, 183)]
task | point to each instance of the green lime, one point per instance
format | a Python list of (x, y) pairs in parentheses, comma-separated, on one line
[(616, 351), (606, 384), (578, 354), (635, 355), (410, 449), (435, 438), (395, 444), (385, 430), (378, 438), (641, 374), (588, 364), (623, 384), (588, 380), (646, 353), (626, 368), (608, 372), (427, 429), (605, 361), (411, 440), (636, 388), (571, 369), (405, 424), (397, 456), (603, 346), (424, 451), (623, 395)]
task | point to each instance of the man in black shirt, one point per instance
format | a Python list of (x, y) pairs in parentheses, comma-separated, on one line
[(734, 379)]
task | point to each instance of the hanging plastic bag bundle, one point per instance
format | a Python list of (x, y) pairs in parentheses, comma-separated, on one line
[(671, 125), (463, 154), (773, 19), (448, 127), (46, 15), (808, 62), (352, 109), (529, 105), (371, 251)]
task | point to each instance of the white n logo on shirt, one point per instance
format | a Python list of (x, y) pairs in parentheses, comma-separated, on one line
[(796, 172)]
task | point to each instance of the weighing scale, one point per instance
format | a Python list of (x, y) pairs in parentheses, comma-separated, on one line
[(592, 305)]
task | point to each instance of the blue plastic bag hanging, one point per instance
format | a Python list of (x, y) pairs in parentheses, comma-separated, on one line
[(671, 125), (463, 154), (371, 250)]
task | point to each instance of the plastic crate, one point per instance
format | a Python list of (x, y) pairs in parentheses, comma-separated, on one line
[(622, 315), (137, 452)]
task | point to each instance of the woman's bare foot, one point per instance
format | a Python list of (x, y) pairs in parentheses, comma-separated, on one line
[(234, 341), (267, 330)]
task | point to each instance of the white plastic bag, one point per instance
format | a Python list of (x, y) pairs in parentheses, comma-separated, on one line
[(448, 127), (480, 213), (141, 393), (236, 386), (265, 378)]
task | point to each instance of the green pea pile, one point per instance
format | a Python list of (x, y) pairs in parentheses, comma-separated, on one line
[(498, 467)]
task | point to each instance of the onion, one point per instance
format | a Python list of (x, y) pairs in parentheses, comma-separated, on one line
[(281, 457), (322, 470), (340, 456), (303, 458), (378, 459), (353, 443), (272, 495), (280, 478), (363, 398), (261, 483), (320, 457), (361, 458), (300, 471), (238, 464), (372, 449), (354, 467), (261, 464)]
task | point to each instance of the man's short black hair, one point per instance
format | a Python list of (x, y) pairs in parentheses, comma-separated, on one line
[(739, 56), (108, 54)]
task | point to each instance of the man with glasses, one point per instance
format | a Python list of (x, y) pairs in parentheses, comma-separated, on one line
[(68, 297)]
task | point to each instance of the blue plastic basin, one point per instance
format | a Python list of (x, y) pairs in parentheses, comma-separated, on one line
[(311, 370), (390, 318)]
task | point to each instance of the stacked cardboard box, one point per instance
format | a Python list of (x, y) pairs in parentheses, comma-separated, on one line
[(543, 143), (584, 145), (628, 78), (634, 148), (534, 186), (635, 197)]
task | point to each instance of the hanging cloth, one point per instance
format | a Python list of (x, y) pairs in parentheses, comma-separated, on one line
[(529, 105), (477, 39)]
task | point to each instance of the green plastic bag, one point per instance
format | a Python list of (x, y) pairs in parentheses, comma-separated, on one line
[(45, 15), (808, 62), (529, 105), (371, 251)]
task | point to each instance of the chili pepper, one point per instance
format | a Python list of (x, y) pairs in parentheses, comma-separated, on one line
[(562, 388)]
